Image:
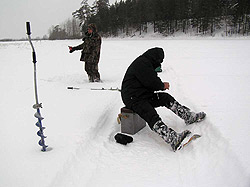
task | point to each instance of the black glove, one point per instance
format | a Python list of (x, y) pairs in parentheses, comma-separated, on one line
[(71, 49), (123, 139)]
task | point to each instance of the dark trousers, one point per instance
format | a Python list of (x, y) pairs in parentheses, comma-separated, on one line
[(145, 107), (92, 70)]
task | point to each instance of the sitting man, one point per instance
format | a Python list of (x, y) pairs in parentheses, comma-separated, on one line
[(138, 94)]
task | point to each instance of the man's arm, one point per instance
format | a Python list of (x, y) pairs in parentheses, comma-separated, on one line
[(72, 49)]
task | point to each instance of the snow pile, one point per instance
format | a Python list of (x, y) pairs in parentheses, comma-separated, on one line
[(206, 75)]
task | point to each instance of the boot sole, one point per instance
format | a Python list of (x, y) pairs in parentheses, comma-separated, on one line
[(180, 143), (193, 137)]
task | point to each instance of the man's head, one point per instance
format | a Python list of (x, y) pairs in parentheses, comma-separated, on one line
[(156, 55), (92, 28)]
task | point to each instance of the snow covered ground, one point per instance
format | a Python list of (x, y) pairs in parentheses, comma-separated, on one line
[(204, 74)]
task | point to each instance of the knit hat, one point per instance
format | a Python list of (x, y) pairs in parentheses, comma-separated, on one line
[(92, 26)]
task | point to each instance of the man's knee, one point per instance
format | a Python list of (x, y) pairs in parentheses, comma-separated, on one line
[(147, 112), (165, 99)]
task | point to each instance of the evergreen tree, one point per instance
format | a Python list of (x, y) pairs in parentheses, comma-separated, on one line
[(241, 17), (83, 14), (101, 16)]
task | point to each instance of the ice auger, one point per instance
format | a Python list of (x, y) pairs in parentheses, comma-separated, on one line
[(37, 105)]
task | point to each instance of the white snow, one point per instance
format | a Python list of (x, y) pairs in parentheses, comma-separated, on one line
[(210, 75)]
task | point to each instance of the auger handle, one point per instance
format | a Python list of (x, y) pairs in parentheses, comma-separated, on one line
[(28, 28), (33, 49)]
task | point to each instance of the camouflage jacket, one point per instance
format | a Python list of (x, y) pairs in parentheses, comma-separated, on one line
[(91, 48)]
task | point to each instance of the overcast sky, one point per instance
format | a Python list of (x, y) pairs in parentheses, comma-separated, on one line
[(42, 14)]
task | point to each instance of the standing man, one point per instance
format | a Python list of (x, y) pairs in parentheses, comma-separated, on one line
[(91, 48), (138, 94)]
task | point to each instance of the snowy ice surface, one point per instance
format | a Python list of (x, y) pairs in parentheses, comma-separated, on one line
[(205, 75)]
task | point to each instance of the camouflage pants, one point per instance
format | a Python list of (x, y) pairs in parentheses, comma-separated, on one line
[(92, 71)]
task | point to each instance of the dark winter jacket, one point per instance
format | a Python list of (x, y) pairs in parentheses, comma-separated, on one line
[(141, 80)]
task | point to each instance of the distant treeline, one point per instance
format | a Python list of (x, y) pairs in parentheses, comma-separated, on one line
[(203, 17), (70, 29), (22, 39), (7, 40)]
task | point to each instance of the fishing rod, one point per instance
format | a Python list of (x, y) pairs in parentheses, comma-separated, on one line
[(108, 89)]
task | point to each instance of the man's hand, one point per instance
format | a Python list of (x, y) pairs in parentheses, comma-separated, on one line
[(71, 50), (166, 85)]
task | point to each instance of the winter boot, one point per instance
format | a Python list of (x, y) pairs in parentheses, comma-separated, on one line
[(186, 114), (97, 79), (169, 135)]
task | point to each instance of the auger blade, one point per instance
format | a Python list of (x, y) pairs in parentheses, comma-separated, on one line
[(37, 115), (41, 143), (38, 124), (40, 133), (36, 106)]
